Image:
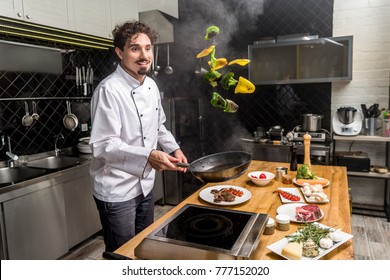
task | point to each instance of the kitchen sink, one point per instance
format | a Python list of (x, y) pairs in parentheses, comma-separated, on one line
[(17, 174), (55, 162)]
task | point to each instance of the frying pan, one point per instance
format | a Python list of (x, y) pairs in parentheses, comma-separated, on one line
[(219, 167)]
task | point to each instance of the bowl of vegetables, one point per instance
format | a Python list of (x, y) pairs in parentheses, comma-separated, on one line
[(261, 178)]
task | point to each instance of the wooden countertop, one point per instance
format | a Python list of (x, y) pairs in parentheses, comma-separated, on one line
[(264, 200)]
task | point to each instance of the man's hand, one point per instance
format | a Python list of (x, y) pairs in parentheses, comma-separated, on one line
[(160, 160)]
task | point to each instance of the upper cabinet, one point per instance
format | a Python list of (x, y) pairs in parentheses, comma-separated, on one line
[(170, 7), (92, 17), (307, 61), (121, 11), (55, 13)]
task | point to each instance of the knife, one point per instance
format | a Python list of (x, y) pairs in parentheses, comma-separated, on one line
[(77, 80)]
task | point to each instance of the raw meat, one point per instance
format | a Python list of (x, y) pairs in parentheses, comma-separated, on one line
[(307, 213)]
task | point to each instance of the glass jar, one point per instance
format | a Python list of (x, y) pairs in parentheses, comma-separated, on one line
[(270, 227), (282, 222)]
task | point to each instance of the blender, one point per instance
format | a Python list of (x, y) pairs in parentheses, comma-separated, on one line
[(347, 121)]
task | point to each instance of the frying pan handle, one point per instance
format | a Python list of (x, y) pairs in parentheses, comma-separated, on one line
[(182, 164)]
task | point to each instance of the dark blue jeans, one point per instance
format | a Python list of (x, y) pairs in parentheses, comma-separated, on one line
[(121, 221)]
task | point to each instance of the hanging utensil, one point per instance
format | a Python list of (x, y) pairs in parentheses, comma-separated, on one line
[(35, 114), (70, 120), (27, 119), (156, 67), (168, 69)]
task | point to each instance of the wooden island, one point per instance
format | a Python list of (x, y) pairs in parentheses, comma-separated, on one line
[(337, 213)]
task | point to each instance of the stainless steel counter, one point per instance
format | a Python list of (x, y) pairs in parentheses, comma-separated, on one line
[(42, 218)]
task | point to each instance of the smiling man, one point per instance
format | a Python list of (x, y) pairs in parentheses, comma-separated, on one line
[(127, 124)]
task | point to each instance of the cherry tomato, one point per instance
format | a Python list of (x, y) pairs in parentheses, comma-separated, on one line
[(263, 176)]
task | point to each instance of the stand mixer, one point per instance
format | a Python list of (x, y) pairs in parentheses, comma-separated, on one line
[(347, 121)]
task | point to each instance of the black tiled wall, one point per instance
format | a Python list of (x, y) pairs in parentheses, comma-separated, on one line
[(241, 23), (51, 92)]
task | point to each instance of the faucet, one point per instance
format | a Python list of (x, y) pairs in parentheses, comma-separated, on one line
[(9, 153), (57, 151)]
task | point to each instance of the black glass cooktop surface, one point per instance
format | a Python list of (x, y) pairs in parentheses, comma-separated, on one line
[(207, 226)]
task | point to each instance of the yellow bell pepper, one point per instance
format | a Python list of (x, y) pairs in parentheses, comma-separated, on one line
[(244, 86), (219, 63), (205, 51), (241, 62)]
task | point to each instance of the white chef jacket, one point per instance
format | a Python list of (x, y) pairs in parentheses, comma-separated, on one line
[(127, 124)]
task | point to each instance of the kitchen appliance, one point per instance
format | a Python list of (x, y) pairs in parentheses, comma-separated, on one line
[(184, 120), (347, 121), (354, 161), (219, 167), (311, 122), (201, 232), (275, 133), (319, 136)]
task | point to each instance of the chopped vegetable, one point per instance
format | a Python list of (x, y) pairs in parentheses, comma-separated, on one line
[(218, 101), (228, 81), (235, 192), (212, 77), (241, 62), (304, 172), (213, 59), (231, 107), (244, 86), (205, 52), (219, 63), (211, 32), (289, 196)]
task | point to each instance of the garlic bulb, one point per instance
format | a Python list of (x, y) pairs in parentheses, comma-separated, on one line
[(326, 243)]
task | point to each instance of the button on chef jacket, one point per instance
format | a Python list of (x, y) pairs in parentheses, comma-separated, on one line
[(127, 124)]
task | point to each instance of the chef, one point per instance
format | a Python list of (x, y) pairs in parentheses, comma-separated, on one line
[(127, 124)]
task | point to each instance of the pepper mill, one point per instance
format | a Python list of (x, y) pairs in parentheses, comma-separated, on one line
[(293, 162), (306, 143)]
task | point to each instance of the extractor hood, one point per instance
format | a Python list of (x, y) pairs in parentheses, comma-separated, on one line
[(158, 21)]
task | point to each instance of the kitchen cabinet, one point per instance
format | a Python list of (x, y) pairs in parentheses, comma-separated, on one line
[(121, 11), (170, 7), (305, 61), (372, 175), (35, 225), (82, 217), (54, 13), (92, 17)]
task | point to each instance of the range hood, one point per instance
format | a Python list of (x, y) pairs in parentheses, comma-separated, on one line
[(158, 21)]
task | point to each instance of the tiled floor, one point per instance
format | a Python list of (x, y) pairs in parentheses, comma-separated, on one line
[(371, 239)]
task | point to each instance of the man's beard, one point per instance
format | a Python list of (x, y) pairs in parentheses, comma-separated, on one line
[(143, 71)]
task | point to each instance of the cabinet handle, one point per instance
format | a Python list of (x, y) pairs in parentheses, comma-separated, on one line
[(19, 14), (28, 16)]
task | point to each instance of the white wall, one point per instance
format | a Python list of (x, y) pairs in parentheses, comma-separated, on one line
[(369, 23)]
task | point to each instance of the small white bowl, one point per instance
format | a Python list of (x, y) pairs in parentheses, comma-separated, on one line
[(261, 182)]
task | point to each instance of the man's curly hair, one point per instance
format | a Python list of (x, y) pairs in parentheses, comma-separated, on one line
[(125, 31)]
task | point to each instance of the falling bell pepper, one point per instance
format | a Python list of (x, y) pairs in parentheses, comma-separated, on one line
[(206, 52), (231, 107), (218, 101), (241, 62), (212, 77), (211, 32), (228, 81), (219, 63), (244, 86)]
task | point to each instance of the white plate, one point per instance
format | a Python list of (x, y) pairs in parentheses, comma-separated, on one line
[(294, 191), (279, 245), (295, 182), (206, 195), (289, 209)]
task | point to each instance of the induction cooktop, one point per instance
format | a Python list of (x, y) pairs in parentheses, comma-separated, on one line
[(202, 232)]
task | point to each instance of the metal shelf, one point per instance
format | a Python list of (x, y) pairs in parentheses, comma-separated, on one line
[(361, 138), (45, 98), (369, 175)]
